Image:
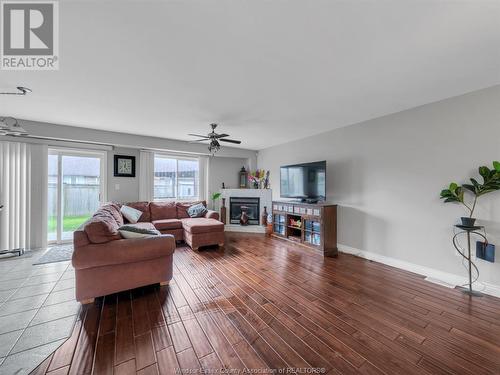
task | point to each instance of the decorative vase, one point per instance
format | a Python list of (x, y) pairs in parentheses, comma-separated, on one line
[(244, 217), (223, 212), (266, 180), (468, 221), (264, 217)]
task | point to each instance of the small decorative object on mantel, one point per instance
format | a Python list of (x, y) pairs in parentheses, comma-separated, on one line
[(457, 194), (243, 178), (223, 186), (223, 211), (266, 180), (124, 166)]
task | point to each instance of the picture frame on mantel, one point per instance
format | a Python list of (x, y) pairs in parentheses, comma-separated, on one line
[(124, 166)]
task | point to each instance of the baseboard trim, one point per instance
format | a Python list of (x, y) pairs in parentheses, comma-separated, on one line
[(432, 275)]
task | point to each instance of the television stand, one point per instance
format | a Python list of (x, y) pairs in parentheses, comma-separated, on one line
[(311, 225)]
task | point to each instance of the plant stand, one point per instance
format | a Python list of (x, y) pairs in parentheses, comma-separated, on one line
[(468, 231)]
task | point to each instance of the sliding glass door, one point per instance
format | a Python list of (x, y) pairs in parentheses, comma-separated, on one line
[(75, 190)]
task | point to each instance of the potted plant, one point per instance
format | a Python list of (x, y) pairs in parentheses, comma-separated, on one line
[(457, 193), (255, 178), (214, 198)]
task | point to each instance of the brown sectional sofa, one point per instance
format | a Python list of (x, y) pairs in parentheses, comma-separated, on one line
[(105, 263)]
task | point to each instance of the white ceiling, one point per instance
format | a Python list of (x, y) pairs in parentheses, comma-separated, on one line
[(269, 71)]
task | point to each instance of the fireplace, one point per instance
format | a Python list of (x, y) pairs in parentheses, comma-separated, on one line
[(253, 209)]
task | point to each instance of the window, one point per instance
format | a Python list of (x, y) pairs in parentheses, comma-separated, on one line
[(176, 178)]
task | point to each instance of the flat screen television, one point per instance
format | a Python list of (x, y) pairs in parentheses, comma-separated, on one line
[(306, 181)]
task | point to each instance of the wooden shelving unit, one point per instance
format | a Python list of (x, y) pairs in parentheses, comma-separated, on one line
[(318, 225)]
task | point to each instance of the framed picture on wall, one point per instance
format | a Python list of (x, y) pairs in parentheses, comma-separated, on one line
[(124, 166)]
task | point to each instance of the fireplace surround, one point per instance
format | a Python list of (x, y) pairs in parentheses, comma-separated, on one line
[(265, 198), (253, 209)]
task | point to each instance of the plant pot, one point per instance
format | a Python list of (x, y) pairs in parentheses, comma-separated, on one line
[(468, 221)]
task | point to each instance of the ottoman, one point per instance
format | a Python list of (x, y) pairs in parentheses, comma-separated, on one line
[(203, 232)]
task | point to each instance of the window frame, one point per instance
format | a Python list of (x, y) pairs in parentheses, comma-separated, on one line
[(176, 186)]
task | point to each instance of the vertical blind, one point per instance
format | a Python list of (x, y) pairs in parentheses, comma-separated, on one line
[(22, 191)]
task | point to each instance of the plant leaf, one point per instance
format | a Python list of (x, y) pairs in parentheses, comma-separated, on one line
[(445, 193), (475, 183), (496, 165), (484, 172), (469, 187)]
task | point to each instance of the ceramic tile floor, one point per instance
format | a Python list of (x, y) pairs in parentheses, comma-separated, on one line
[(37, 310)]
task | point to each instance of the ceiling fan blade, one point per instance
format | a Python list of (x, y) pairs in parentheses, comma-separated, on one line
[(222, 135), (230, 141), (198, 135), (199, 140)]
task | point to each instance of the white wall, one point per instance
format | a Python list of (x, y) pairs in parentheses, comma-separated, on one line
[(386, 175), (123, 189), (225, 170), (74, 133), (222, 168)]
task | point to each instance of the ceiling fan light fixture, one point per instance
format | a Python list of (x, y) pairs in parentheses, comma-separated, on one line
[(214, 139), (13, 129), (24, 90), (21, 91), (213, 147)]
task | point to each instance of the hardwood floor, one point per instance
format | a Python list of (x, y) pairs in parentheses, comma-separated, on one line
[(263, 303)]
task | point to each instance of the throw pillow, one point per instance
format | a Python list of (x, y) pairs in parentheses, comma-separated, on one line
[(131, 214), (197, 210), (130, 231)]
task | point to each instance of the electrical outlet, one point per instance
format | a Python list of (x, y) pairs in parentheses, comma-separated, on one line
[(485, 251)]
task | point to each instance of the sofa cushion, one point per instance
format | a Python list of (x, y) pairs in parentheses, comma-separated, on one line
[(114, 210), (142, 226), (144, 207), (123, 251), (101, 228), (202, 225), (182, 208), (167, 224), (131, 214), (163, 210), (134, 231), (197, 210)]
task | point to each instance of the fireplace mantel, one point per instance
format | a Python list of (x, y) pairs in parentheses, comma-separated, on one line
[(266, 197)]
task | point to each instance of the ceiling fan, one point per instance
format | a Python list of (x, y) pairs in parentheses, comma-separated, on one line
[(214, 139)]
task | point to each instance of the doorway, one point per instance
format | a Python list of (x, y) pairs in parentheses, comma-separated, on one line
[(76, 188)]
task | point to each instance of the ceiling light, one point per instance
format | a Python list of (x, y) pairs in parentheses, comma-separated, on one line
[(213, 147), (22, 91), (10, 126)]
